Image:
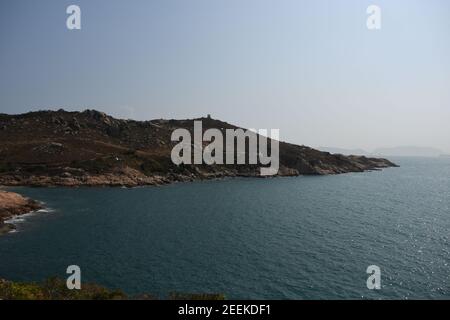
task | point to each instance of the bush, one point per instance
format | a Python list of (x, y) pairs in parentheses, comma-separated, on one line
[(55, 289), (6, 167)]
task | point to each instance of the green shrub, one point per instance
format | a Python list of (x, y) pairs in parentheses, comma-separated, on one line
[(55, 289), (6, 167)]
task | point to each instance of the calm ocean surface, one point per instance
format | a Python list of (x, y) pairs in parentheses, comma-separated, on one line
[(282, 238)]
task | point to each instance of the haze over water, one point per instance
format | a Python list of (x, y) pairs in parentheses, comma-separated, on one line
[(277, 238)]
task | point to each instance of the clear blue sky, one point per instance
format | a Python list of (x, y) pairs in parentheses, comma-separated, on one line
[(310, 68)]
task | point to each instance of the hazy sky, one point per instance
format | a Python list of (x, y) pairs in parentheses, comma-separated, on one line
[(310, 68)]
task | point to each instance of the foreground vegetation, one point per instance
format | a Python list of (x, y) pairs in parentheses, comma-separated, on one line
[(56, 289)]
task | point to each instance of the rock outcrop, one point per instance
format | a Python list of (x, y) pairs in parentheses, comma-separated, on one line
[(11, 205)]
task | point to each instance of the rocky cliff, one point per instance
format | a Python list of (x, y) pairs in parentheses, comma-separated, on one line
[(49, 148), (13, 204)]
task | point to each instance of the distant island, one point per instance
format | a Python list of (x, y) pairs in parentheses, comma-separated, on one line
[(60, 148), (347, 152), (401, 151), (409, 151)]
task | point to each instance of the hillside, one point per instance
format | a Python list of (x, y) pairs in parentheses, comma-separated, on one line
[(49, 148)]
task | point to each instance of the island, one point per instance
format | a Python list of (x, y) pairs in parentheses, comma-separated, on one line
[(91, 148)]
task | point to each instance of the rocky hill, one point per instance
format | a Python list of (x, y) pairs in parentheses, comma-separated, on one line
[(47, 148)]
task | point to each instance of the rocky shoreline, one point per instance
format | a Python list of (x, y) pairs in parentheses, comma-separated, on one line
[(12, 205), (130, 178), (123, 178)]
